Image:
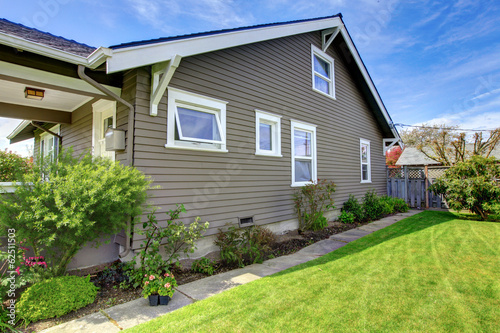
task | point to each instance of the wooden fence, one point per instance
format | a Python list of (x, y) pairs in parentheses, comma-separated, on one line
[(412, 183)]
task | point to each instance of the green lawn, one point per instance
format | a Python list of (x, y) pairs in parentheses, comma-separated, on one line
[(428, 273)]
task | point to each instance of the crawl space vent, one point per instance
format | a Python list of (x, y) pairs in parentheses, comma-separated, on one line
[(246, 221)]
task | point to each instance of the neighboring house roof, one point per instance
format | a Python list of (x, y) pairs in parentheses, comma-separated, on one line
[(413, 156), (40, 37)]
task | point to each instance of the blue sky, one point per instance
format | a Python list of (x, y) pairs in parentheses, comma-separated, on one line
[(432, 61)]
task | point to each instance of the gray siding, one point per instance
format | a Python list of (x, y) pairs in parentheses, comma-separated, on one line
[(273, 76)]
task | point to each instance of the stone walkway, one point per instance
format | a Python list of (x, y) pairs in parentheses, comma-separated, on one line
[(136, 312)]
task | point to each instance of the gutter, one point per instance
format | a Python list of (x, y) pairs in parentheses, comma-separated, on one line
[(130, 137)]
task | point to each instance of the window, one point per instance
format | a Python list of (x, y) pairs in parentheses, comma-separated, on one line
[(195, 121), (267, 134), (303, 153), (104, 117), (322, 72), (364, 147), (49, 144)]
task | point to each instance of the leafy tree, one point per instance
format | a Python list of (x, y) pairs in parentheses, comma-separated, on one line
[(392, 155), (472, 185), (13, 166), (444, 144), (65, 204)]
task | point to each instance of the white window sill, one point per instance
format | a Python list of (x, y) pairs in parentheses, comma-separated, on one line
[(268, 155), (196, 148), (324, 94), (8, 187), (365, 182), (301, 184)]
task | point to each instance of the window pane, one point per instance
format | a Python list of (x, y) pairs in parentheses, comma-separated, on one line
[(364, 153), (321, 67), (107, 123), (303, 171), (199, 125), (265, 136), (321, 84), (302, 142), (364, 173)]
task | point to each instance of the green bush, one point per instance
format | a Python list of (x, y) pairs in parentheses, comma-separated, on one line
[(472, 185), (353, 206), (372, 206), (204, 266), (400, 205), (55, 297), (238, 248), (13, 166), (65, 204), (346, 217), (387, 205), (311, 202), (174, 237)]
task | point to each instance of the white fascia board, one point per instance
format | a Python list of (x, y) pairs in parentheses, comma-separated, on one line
[(143, 55), (36, 75), (18, 129), (366, 76), (26, 45), (98, 57)]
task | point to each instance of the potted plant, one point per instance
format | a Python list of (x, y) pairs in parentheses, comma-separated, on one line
[(151, 288), (166, 288)]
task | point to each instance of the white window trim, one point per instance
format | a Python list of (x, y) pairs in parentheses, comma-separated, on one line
[(308, 128), (186, 99), (315, 51), (46, 135), (275, 122), (100, 108), (369, 170)]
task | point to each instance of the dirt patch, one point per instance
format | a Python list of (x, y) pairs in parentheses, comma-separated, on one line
[(111, 294)]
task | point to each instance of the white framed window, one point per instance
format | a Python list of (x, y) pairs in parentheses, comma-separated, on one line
[(49, 144), (195, 121), (364, 153), (303, 153), (267, 134), (104, 117), (323, 78)]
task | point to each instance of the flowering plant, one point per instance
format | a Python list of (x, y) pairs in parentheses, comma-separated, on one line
[(159, 284)]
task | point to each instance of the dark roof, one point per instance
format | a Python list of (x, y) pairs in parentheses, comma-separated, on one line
[(215, 32), (40, 37)]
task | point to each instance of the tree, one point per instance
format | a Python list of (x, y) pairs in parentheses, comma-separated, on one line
[(472, 185), (65, 204), (392, 155), (13, 166), (445, 145)]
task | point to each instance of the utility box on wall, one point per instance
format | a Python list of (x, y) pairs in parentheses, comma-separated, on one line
[(115, 139)]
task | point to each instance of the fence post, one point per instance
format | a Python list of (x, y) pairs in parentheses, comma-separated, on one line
[(426, 169), (405, 170)]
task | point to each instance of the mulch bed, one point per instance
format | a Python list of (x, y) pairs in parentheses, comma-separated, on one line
[(110, 294)]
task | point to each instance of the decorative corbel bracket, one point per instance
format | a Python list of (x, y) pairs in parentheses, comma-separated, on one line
[(389, 143), (327, 41), (161, 74)]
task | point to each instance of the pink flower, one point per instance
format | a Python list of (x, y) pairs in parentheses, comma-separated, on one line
[(145, 275), (18, 271), (146, 283), (151, 277), (167, 275), (167, 285)]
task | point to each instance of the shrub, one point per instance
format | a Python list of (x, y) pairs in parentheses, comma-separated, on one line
[(387, 205), (13, 166), (175, 238), (65, 204), (354, 207), (203, 265), (472, 185), (400, 205), (372, 206), (311, 202), (55, 297), (249, 246), (346, 217)]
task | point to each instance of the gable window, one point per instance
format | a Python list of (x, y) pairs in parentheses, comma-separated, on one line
[(364, 147), (267, 134), (104, 117), (322, 72), (195, 121), (49, 144), (303, 153)]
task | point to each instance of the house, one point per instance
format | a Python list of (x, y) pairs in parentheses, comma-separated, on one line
[(228, 122)]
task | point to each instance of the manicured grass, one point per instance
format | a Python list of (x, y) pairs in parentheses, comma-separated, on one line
[(427, 273)]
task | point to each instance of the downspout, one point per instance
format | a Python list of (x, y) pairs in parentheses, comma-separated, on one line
[(130, 135)]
